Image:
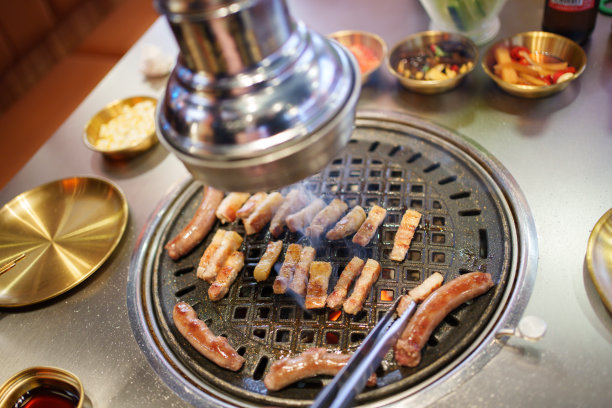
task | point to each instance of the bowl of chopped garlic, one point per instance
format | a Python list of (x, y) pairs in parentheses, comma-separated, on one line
[(123, 128), (432, 62)]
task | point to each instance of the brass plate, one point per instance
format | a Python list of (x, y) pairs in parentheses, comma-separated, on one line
[(66, 229), (599, 258)]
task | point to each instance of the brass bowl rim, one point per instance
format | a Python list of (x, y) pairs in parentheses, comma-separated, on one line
[(378, 39), (535, 90), (426, 83), (143, 145), (600, 281), (17, 383)]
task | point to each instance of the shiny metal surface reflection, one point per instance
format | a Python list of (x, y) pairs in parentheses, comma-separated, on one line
[(256, 100), (65, 230)]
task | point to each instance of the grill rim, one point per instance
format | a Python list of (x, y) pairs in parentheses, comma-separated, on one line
[(486, 347)]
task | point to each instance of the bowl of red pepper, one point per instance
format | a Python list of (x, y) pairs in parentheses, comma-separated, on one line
[(534, 64), (432, 62), (368, 49)]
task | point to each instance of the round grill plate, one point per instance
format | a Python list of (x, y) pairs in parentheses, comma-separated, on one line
[(468, 224)]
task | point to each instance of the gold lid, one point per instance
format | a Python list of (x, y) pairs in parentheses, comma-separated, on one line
[(599, 258), (65, 229)]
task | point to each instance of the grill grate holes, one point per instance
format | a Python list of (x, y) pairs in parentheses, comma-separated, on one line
[(447, 180), (307, 336), (332, 337), (286, 313), (260, 333), (241, 312), (459, 195), (357, 337), (470, 213), (183, 271), (414, 158), (373, 146), (452, 320), (394, 151), (431, 167), (182, 292), (416, 203), (484, 243), (260, 369), (283, 336), (433, 341), (388, 273), (241, 350)]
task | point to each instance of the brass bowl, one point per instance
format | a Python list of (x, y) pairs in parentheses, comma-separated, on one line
[(543, 43), (370, 41), (422, 40), (91, 135), (55, 380)]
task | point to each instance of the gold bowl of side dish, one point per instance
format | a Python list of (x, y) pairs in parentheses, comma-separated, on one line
[(534, 64), (123, 128), (368, 48), (432, 62)]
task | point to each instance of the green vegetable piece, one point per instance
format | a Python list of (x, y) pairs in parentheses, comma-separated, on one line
[(439, 52)]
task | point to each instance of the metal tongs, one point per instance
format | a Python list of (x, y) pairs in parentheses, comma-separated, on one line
[(349, 382)]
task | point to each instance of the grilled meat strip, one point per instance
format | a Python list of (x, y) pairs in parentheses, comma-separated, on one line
[(215, 348), (199, 225), (433, 310)]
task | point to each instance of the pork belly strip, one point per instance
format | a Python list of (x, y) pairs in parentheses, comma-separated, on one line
[(267, 260), (249, 206), (300, 276), (310, 363), (199, 225), (226, 212), (326, 217), (370, 225), (230, 243), (433, 282), (369, 275), (285, 275), (226, 276), (433, 310), (263, 213), (209, 252), (295, 200), (403, 236), (350, 272), (215, 348), (316, 293), (348, 224), (421, 292), (299, 220)]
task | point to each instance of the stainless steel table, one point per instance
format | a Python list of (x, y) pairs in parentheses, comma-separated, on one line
[(559, 150)]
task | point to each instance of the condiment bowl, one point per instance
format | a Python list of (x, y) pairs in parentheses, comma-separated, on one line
[(538, 42), (420, 43), (121, 147), (363, 44)]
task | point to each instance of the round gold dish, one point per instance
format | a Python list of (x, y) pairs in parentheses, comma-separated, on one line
[(372, 42), (91, 133), (426, 39), (599, 258), (55, 236), (539, 42)]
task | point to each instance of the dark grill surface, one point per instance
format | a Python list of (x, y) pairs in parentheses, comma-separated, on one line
[(464, 228)]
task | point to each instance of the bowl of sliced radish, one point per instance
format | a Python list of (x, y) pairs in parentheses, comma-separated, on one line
[(534, 64)]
